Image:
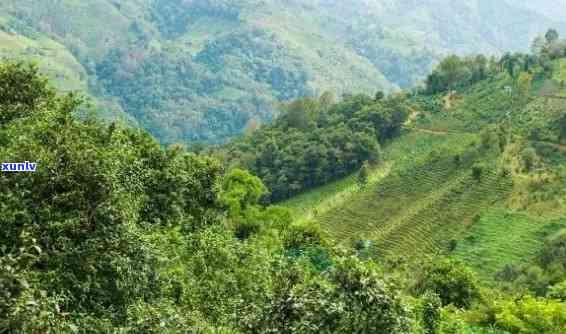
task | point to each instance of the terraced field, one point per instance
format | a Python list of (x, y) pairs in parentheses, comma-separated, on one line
[(501, 237), (418, 210), (429, 200)]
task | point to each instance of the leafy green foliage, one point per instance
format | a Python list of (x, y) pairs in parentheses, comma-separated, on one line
[(95, 189), (454, 72), (352, 298), (240, 190), (453, 282), (431, 312), (313, 142), (115, 233), (22, 91), (531, 315)]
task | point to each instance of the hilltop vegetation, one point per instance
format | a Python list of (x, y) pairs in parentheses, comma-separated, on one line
[(317, 140), (205, 70)]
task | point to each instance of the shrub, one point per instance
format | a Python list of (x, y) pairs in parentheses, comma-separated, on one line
[(453, 282), (531, 315), (478, 170), (431, 312), (528, 159), (558, 291)]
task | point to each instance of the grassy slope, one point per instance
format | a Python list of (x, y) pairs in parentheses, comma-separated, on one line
[(53, 58), (502, 237), (64, 70)]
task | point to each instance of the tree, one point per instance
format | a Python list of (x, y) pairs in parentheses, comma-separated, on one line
[(489, 138), (430, 307), (529, 159), (451, 71), (538, 45), (300, 112), (338, 139), (510, 63), (75, 226), (240, 191), (229, 280), (453, 282), (478, 170), (351, 298), (23, 91), (480, 68), (530, 315), (558, 291), (363, 175), (551, 36)]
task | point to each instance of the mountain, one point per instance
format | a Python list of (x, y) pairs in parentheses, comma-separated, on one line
[(205, 70), (453, 218)]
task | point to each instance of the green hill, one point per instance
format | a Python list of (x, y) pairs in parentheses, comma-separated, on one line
[(205, 70), (477, 174), (442, 210)]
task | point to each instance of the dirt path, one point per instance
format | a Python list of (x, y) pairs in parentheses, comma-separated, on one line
[(433, 132), (560, 147)]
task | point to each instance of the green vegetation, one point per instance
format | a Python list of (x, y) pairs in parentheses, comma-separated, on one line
[(442, 210), (203, 71), (499, 238), (477, 177), (316, 141), (114, 233)]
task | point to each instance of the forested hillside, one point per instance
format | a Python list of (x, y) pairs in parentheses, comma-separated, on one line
[(452, 222), (115, 234), (315, 141), (398, 167), (206, 70)]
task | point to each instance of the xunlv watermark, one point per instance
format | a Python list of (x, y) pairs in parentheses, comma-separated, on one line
[(18, 167)]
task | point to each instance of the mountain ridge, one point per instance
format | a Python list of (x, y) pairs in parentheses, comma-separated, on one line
[(210, 68)]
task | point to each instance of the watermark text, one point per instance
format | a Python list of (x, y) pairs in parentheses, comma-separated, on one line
[(18, 167)]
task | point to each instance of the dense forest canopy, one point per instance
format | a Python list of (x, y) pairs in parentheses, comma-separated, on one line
[(315, 141), (202, 71)]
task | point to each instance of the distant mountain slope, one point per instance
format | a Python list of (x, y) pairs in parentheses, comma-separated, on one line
[(203, 70)]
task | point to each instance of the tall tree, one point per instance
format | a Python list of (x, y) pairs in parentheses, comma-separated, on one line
[(552, 36)]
